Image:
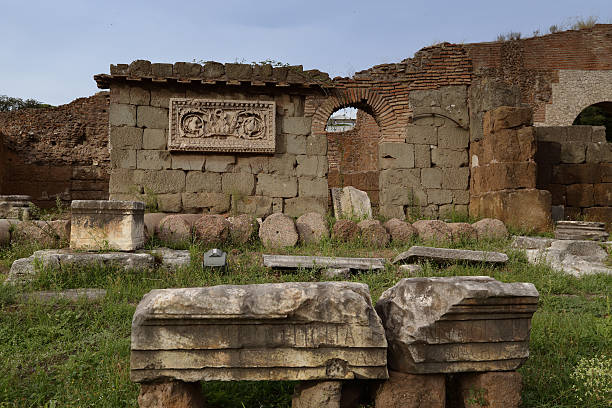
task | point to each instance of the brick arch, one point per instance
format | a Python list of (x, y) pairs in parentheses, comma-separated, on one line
[(365, 99)]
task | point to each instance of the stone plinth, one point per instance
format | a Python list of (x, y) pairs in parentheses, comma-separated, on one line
[(15, 206), (457, 324), (103, 225), (287, 331)]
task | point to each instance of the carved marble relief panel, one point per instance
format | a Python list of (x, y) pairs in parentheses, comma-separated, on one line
[(222, 126)]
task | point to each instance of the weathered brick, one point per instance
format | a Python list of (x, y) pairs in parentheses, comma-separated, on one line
[(152, 117), (125, 137), (153, 160), (197, 181), (273, 185), (154, 139), (122, 115), (238, 183)]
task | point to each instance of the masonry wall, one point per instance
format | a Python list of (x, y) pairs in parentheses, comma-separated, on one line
[(575, 165), (353, 156), (293, 180), (59, 152)]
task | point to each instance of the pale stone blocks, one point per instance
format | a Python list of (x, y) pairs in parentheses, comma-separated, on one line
[(121, 181), (161, 181), (238, 183), (197, 181), (316, 145), (188, 161), (296, 144), (295, 207), (154, 139), (169, 202), (122, 115), (153, 159), (453, 137), (296, 125), (276, 186), (421, 135), (216, 203), (125, 137), (449, 158), (311, 166), (396, 155), (312, 187), (422, 156), (438, 196), (220, 163), (123, 159), (455, 178), (152, 117), (139, 96), (283, 164), (431, 178)]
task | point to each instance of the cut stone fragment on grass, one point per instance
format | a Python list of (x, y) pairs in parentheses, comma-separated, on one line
[(420, 253), (298, 261), (72, 295)]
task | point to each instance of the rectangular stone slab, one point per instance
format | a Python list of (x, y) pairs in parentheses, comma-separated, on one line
[(287, 331), (294, 261), (581, 230), (457, 324), (417, 253)]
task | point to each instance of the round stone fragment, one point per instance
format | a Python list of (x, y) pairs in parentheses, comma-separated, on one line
[(490, 228), (212, 229), (432, 230), (151, 223), (312, 228), (278, 231), (373, 233), (462, 231), (345, 230), (401, 232), (174, 229), (242, 228)]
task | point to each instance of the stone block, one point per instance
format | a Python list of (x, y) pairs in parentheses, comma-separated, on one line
[(557, 134), (446, 330), (257, 206), (395, 155), (187, 70), (579, 133), (447, 210), (320, 331), (503, 176), (193, 161), (312, 187), (121, 181), (154, 139), (573, 152), (455, 178), (447, 255), (493, 390), (197, 181), (161, 181), (252, 164), (602, 194), (215, 203), (392, 211), (426, 135), (169, 202), (296, 207), (316, 145), (240, 184), (586, 173), (140, 68), (422, 156), (602, 214), (510, 145), (439, 196), (350, 202), (599, 134), (431, 177), (450, 137), (212, 70), (311, 166), (103, 225), (605, 172), (296, 144), (272, 185), (548, 153), (400, 177), (448, 157), (320, 394), (152, 117), (153, 159), (283, 164), (506, 117), (160, 96), (123, 159), (122, 115), (44, 233), (461, 196), (403, 390), (139, 96), (297, 125), (453, 96), (220, 163), (425, 98), (175, 394), (599, 153), (579, 195), (125, 137), (396, 196), (527, 209), (160, 70), (119, 94)]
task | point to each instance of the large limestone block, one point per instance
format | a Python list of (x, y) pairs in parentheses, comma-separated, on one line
[(350, 202), (412, 391), (285, 331), (457, 324), (102, 225)]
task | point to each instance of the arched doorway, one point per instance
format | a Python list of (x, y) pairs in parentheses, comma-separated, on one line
[(598, 114)]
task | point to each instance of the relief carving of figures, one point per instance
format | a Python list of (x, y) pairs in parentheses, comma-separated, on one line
[(211, 125)]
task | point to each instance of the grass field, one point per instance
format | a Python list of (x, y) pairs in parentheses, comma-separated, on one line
[(77, 354)]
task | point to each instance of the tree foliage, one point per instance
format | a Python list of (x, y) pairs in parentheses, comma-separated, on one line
[(9, 103)]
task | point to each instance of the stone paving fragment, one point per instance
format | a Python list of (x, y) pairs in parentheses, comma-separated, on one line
[(300, 261), (286, 331), (419, 253), (73, 295), (577, 258), (581, 230), (457, 324)]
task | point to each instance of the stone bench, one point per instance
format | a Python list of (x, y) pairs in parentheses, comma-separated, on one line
[(320, 331)]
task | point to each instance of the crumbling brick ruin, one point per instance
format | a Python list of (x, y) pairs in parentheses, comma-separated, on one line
[(421, 117)]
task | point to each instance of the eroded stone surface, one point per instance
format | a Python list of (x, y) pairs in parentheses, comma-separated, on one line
[(581, 230), (15, 206), (575, 258), (278, 231), (345, 230), (49, 234), (68, 294), (403, 390), (490, 228), (212, 229), (242, 228), (287, 331), (433, 230), (172, 258), (457, 324), (462, 230), (103, 225), (492, 390), (312, 227), (175, 229), (171, 394), (417, 253), (400, 231), (350, 202), (522, 242), (320, 394), (373, 233)]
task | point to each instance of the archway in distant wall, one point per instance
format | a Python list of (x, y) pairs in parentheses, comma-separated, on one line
[(598, 114), (353, 153)]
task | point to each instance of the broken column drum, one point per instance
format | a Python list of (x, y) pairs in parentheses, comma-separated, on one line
[(288, 331), (457, 324), (103, 225)]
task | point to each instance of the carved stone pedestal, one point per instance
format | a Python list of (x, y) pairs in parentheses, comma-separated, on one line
[(320, 394), (15, 206), (171, 394), (412, 391), (492, 390)]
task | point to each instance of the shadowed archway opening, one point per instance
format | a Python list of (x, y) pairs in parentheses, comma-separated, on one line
[(598, 114)]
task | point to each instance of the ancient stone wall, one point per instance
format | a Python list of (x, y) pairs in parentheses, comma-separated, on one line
[(57, 152), (353, 156), (291, 180), (575, 165)]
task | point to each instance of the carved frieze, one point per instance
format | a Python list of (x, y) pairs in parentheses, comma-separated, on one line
[(222, 125)]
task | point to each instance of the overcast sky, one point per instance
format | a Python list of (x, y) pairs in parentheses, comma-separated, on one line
[(51, 49)]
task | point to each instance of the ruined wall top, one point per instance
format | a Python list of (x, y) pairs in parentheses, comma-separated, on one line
[(214, 73)]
